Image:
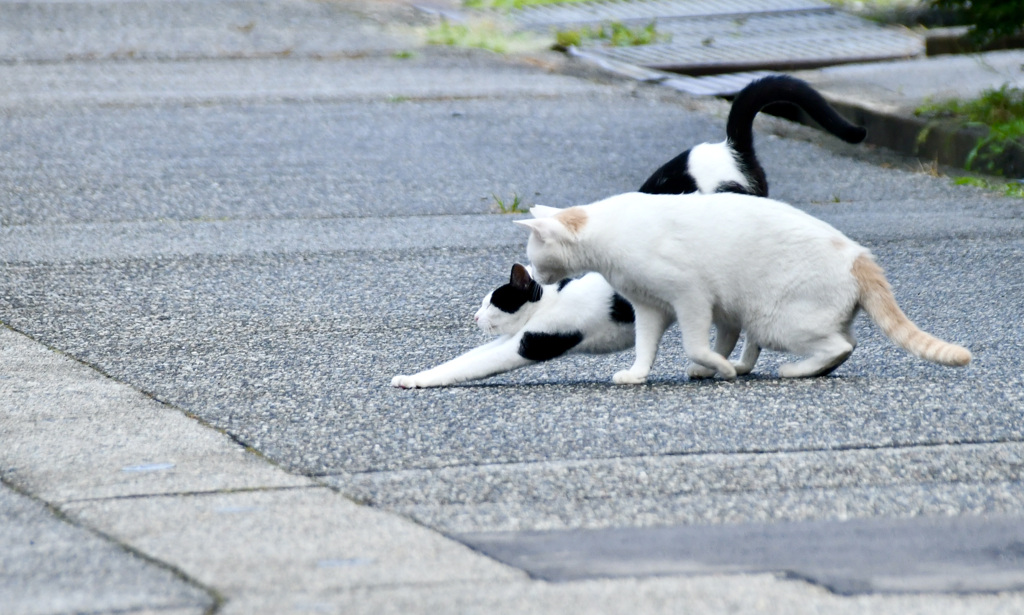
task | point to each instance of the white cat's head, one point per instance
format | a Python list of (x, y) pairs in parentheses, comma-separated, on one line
[(553, 233), (506, 309)]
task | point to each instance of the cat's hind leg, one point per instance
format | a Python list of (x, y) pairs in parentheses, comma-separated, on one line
[(751, 352), (650, 325), (826, 355), (726, 337), (694, 317)]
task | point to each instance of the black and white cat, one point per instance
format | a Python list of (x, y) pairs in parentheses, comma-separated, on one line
[(732, 166), (537, 323)]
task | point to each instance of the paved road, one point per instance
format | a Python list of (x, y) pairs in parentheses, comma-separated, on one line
[(256, 244)]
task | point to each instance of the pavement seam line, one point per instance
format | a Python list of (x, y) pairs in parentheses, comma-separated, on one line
[(186, 494), (681, 454), (283, 99), (58, 512)]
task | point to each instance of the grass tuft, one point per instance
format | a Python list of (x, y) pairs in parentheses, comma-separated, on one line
[(482, 33), (614, 34), (1014, 189), (1001, 111), (515, 207), (511, 4)]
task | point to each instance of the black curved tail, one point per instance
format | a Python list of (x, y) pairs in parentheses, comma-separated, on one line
[(784, 89)]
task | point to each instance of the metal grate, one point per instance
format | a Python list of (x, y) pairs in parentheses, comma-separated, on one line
[(714, 85), (620, 10), (727, 36), (710, 46)]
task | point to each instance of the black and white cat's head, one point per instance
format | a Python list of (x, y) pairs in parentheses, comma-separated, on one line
[(506, 309)]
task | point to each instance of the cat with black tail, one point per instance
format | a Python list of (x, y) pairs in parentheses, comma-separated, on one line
[(732, 166)]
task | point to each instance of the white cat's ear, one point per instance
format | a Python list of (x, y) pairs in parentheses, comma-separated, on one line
[(543, 211), (548, 229)]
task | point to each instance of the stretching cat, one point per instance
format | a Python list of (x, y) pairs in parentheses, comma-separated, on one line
[(537, 323), (791, 281), (732, 166)]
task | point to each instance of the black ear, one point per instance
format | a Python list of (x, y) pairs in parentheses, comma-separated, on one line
[(520, 277)]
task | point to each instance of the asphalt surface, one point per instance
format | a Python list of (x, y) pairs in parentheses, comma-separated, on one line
[(253, 243)]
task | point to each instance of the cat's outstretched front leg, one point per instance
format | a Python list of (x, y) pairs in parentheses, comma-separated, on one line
[(496, 357), (650, 324)]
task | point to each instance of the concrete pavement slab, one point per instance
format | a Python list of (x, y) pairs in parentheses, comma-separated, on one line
[(61, 31), (50, 400), (290, 544), (901, 86), (133, 240), (883, 98), (702, 489), (338, 160), (965, 554), (753, 594), (447, 74), (50, 566)]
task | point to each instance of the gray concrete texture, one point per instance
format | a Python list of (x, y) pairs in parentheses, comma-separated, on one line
[(49, 566), (909, 83), (213, 264)]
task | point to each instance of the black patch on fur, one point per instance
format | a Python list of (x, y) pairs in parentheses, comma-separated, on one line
[(509, 299), (673, 177), (520, 289), (622, 310), (734, 187), (546, 346), (562, 284)]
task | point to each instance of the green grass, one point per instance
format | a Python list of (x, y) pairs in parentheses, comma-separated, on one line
[(1012, 189), (515, 207), (511, 4), (614, 34), (993, 107), (488, 31), (854, 5), (1000, 111), (483, 33)]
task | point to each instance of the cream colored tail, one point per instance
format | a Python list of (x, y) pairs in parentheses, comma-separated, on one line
[(878, 301)]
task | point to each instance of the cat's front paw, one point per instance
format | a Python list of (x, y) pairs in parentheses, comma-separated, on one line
[(628, 377), (699, 372), (406, 382)]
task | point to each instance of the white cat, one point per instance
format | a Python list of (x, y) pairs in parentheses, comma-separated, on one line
[(791, 281), (537, 323)]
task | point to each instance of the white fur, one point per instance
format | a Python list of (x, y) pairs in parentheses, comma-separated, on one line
[(735, 261), (581, 306), (543, 211), (714, 164)]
